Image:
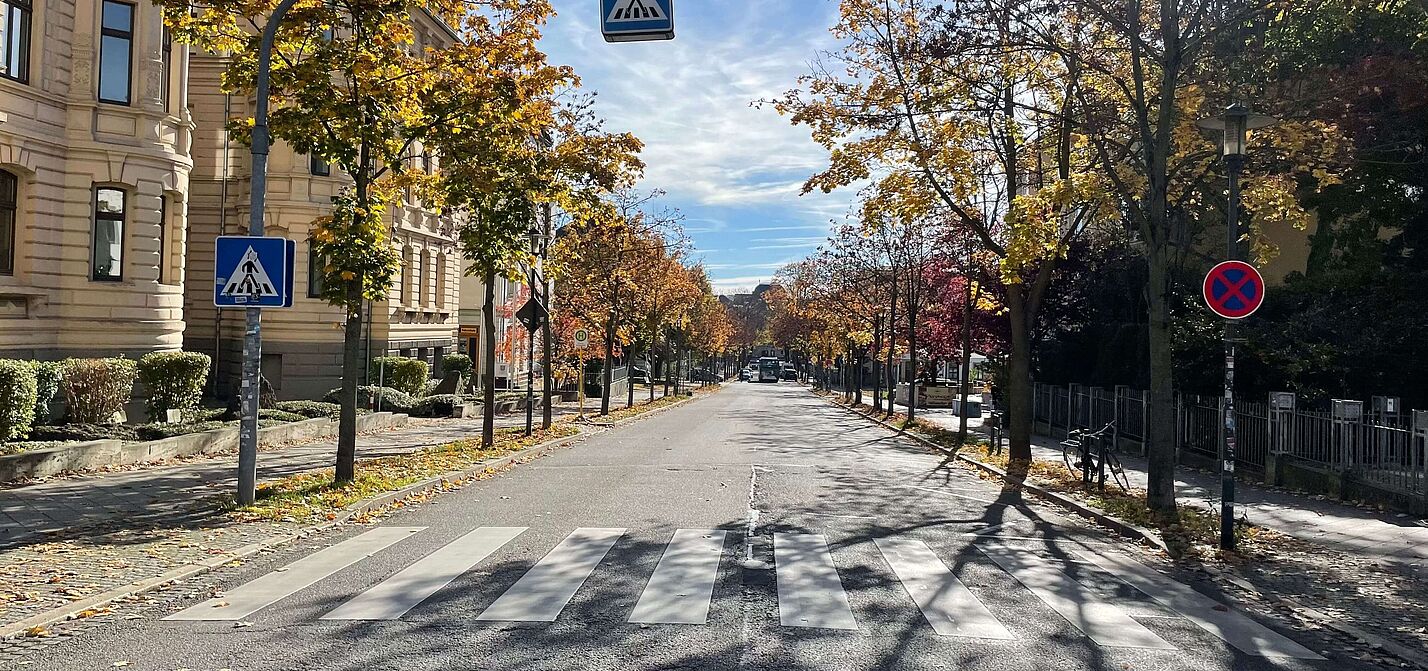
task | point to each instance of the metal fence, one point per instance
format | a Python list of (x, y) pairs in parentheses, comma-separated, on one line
[(1383, 448)]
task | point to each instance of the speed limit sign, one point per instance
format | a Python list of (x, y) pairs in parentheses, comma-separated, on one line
[(582, 338)]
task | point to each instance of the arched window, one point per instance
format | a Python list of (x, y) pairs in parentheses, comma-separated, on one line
[(9, 205)]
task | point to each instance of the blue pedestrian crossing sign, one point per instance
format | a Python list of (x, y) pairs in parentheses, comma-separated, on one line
[(636, 20), (253, 272)]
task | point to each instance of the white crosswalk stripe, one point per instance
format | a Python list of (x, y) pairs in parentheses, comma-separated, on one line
[(1106, 624), (1244, 634), (543, 591), (682, 586), (809, 591), (269, 589), (947, 604), (398, 594)]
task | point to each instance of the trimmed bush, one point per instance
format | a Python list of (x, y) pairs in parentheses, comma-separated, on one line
[(393, 400), (310, 409), (48, 376), (436, 406), (97, 388), (174, 381), (83, 432), (406, 375), (280, 416), (162, 431), (452, 364), (17, 399)]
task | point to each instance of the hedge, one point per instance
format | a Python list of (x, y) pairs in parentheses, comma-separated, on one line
[(310, 409), (174, 381), (17, 399), (48, 376), (96, 389), (457, 363), (440, 405), (393, 400), (406, 375)]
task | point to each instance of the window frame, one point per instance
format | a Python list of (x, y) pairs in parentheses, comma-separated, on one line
[(313, 163), (128, 36), (166, 57), (315, 272), (26, 11), (163, 235), (9, 204), (98, 216)]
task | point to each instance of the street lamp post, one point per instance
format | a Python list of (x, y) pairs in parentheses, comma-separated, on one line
[(1234, 127)]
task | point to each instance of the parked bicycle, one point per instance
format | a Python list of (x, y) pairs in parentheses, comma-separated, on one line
[(1094, 456)]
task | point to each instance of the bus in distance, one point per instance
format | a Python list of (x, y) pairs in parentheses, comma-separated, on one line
[(769, 369)]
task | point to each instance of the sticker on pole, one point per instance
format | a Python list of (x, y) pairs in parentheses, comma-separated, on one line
[(1234, 289), (252, 272), (581, 338), (636, 20)]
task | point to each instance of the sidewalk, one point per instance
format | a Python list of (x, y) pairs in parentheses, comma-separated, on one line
[(1324, 522)]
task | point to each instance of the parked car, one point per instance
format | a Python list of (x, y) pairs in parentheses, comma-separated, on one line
[(703, 375), (790, 372), (639, 375), (747, 375)]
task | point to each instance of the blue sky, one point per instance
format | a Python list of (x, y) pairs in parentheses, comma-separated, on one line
[(733, 170)]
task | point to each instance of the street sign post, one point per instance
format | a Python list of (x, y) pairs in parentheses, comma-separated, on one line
[(532, 315), (1234, 289), (636, 20), (581, 338)]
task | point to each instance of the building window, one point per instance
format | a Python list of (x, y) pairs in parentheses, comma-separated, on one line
[(441, 281), (15, 39), (168, 66), (426, 160), (319, 167), (9, 204), (316, 270), (424, 277), (107, 262), (116, 46), (405, 297)]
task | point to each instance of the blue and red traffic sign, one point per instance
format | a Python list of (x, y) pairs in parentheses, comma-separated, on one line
[(1234, 289)]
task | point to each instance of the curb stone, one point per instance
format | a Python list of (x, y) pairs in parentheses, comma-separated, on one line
[(1122, 527), (70, 610)]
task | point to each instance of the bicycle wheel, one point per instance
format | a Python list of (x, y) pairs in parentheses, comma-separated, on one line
[(1066, 458), (1118, 472)]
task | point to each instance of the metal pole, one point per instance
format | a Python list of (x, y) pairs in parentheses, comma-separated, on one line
[(547, 379), (253, 328), (530, 371), (1227, 459)]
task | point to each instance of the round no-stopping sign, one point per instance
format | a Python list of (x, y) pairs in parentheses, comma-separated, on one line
[(1234, 289)]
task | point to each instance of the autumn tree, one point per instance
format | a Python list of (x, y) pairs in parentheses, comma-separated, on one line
[(938, 107)]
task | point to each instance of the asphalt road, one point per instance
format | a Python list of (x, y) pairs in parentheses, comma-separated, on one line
[(760, 528)]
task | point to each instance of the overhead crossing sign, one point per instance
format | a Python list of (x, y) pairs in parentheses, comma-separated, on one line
[(253, 272), (636, 20)]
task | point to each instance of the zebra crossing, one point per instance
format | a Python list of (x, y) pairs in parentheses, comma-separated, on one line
[(810, 592)]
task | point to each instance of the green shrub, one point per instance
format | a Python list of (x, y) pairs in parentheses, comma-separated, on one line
[(47, 383), (162, 431), (406, 375), (457, 363), (174, 381), (97, 388), (17, 399), (441, 405), (83, 431), (280, 415), (310, 409), (393, 400)]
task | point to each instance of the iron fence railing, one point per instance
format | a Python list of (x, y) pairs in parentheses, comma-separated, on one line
[(1384, 450)]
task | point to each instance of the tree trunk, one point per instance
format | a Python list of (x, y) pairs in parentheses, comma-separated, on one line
[(912, 355), (877, 374), (630, 388), (488, 373), (858, 379), (346, 467), (1160, 492), (1019, 379)]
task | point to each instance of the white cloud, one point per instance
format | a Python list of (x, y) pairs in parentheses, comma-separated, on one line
[(736, 285)]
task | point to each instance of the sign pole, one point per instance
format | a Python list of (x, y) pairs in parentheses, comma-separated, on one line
[(1227, 459), (253, 325)]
